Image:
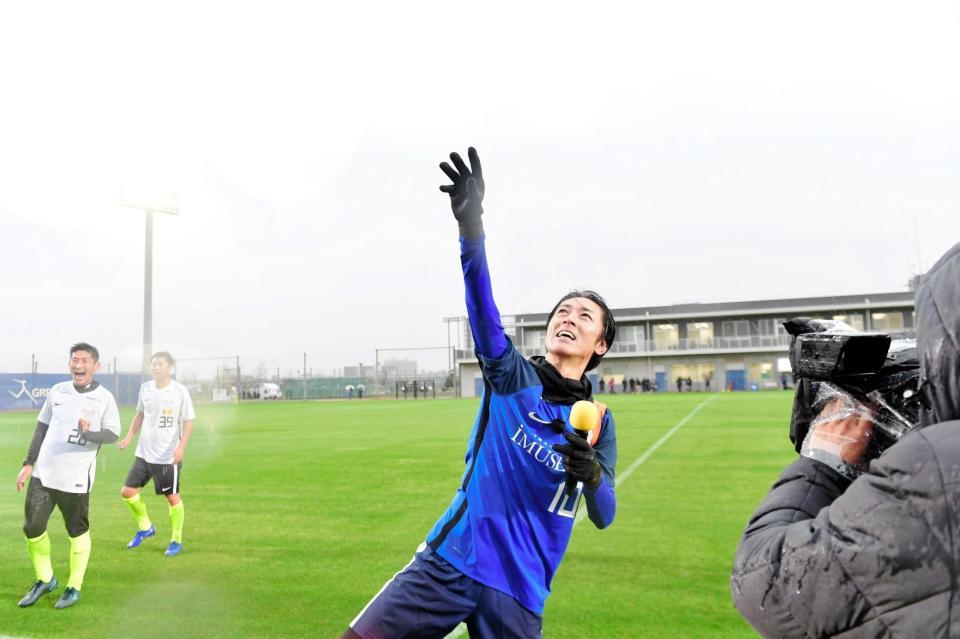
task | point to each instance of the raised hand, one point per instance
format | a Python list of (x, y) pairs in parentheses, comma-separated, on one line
[(466, 192)]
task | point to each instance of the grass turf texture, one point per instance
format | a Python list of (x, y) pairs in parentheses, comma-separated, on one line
[(298, 512)]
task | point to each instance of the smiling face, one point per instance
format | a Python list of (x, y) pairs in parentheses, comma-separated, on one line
[(160, 370), (82, 367), (575, 332)]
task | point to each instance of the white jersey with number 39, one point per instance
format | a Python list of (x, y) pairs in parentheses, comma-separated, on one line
[(164, 412)]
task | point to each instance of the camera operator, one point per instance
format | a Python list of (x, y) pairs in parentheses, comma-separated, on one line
[(876, 556)]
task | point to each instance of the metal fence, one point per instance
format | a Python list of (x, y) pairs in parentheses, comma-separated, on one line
[(232, 378)]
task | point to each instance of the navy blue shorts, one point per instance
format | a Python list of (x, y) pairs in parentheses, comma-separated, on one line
[(429, 598)]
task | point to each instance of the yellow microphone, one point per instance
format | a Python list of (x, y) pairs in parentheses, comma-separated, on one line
[(583, 417)]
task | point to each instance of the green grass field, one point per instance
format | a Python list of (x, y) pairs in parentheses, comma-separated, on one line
[(297, 513)]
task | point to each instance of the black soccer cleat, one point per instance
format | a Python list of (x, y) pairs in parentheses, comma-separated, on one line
[(69, 597), (38, 590)]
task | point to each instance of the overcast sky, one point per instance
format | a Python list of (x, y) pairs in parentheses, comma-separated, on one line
[(659, 152)]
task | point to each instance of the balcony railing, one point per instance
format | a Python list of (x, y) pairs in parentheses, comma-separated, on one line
[(713, 344), (687, 345)]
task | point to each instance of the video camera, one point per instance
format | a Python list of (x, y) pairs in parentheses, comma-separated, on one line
[(880, 371)]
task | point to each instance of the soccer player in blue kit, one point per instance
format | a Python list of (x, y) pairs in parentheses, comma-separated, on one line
[(490, 558)]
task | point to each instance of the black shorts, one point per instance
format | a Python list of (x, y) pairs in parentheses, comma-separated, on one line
[(75, 508), (166, 477)]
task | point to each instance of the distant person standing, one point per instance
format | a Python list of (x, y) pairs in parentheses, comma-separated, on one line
[(679, 384), (603, 385), (77, 417), (165, 415), (360, 390), (784, 381)]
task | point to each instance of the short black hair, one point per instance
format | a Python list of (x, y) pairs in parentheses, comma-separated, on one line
[(163, 355), (609, 323), (83, 346)]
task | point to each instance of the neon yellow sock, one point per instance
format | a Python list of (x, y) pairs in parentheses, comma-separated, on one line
[(79, 556), (176, 523), (139, 510), (39, 549)]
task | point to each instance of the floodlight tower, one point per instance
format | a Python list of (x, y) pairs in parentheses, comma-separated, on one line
[(170, 204)]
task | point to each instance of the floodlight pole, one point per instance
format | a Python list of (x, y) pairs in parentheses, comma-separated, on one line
[(148, 295), (170, 205)]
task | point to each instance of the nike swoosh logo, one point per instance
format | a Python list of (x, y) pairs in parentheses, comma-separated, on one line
[(533, 415)]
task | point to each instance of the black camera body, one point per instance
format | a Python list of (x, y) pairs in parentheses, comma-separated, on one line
[(878, 370)]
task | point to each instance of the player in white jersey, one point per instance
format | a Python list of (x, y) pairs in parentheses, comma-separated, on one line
[(77, 417), (165, 413)]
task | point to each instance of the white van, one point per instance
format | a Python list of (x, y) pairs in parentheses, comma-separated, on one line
[(269, 390)]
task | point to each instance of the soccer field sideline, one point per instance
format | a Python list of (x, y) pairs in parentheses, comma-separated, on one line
[(460, 630)]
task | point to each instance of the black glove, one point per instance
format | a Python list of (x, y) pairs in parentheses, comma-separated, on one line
[(466, 192), (580, 460)]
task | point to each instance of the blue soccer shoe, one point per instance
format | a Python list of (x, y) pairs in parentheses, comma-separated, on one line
[(140, 536)]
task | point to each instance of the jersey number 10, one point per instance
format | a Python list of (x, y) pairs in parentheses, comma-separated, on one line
[(565, 503)]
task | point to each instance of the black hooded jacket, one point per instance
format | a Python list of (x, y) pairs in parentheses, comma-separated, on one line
[(878, 557)]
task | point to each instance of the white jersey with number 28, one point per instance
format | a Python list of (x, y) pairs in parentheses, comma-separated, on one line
[(67, 461)]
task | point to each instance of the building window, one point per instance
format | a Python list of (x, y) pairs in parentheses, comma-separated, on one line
[(736, 328), (666, 336), (853, 319), (535, 341), (629, 339), (700, 334), (889, 321), (768, 326)]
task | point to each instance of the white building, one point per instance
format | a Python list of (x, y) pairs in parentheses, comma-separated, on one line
[(736, 345)]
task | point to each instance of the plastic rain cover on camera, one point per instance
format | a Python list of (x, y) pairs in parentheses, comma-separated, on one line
[(868, 379)]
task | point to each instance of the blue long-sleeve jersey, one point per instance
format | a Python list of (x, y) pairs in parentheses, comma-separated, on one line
[(510, 521)]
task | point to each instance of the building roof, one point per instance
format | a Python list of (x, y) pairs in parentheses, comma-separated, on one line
[(900, 299)]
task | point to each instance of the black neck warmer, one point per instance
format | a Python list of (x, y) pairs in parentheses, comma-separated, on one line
[(559, 389)]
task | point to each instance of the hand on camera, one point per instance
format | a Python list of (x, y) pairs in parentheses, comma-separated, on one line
[(841, 435)]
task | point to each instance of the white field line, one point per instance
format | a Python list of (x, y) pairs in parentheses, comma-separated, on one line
[(582, 513), (460, 630)]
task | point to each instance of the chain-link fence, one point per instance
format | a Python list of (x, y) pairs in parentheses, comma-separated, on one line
[(391, 373)]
